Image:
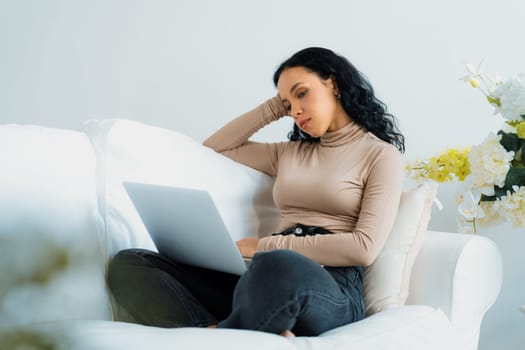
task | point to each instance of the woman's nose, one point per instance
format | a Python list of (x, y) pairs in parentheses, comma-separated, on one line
[(296, 111)]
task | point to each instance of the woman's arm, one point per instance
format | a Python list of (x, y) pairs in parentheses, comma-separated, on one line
[(360, 246), (232, 139)]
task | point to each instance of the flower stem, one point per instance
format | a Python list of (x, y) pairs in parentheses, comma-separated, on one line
[(489, 93)]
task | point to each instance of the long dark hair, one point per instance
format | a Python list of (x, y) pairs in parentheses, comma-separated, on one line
[(357, 95)]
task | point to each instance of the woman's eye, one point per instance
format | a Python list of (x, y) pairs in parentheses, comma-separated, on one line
[(301, 94)]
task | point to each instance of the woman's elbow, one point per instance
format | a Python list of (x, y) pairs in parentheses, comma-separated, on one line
[(366, 259), (207, 143)]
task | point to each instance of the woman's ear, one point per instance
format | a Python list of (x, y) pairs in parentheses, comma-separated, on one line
[(333, 85)]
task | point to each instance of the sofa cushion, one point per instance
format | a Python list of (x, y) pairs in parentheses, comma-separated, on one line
[(107, 335), (386, 280), (406, 328), (51, 266), (132, 151)]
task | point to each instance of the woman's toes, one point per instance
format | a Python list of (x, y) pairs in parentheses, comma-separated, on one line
[(287, 333)]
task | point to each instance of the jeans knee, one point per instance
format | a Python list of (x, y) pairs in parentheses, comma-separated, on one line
[(284, 267), (278, 257), (122, 264), (282, 258)]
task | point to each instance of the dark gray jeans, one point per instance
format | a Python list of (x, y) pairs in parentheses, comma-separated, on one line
[(281, 290)]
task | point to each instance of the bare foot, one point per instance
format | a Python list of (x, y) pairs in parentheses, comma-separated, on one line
[(212, 326), (288, 334)]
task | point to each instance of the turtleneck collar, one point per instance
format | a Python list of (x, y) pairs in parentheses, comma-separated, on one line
[(342, 136)]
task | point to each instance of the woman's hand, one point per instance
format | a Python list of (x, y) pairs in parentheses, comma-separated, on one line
[(247, 246)]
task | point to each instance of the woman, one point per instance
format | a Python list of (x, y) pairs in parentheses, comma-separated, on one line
[(337, 184)]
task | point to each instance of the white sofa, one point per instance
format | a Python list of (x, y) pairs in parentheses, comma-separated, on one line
[(63, 214)]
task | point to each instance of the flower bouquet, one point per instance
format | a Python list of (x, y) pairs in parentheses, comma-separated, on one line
[(492, 174)]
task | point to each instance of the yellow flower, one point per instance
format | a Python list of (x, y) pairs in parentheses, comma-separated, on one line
[(520, 130), (441, 168)]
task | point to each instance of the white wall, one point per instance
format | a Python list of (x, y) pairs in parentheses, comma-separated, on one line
[(193, 65)]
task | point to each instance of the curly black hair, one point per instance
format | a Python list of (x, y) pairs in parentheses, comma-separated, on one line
[(357, 94)]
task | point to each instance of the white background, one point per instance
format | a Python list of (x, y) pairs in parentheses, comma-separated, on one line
[(193, 65)]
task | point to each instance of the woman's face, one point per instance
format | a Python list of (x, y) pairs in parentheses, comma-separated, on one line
[(311, 101)]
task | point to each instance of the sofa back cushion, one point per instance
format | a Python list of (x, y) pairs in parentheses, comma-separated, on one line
[(51, 265), (386, 281), (133, 151)]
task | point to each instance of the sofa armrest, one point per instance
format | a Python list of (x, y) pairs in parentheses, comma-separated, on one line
[(459, 273)]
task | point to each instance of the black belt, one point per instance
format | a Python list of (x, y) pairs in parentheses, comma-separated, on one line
[(303, 230)]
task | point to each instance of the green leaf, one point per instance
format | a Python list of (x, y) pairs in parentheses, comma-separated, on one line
[(515, 176), (510, 141), (498, 193), (512, 123), (502, 191), (485, 198), (522, 158)]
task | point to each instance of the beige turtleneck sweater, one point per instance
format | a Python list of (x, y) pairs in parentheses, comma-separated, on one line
[(349, 183)]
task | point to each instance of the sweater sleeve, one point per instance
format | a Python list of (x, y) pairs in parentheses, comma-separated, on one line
[(232, 140), (360, 246)]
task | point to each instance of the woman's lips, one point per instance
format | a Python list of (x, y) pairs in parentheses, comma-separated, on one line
[(304, 123)]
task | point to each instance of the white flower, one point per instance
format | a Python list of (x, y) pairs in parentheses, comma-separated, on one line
[(492, 216), (512, 206), (511, 95), (467, 202), (494, 80), (489, 164), (474, 74)]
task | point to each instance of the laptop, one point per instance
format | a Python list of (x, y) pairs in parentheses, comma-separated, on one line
[(186, 226)]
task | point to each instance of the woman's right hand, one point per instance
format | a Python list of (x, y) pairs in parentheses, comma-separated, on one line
[(247, 246), (280, 108)]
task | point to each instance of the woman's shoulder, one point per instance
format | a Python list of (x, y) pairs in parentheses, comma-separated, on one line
[(382, 151), (380, 145)]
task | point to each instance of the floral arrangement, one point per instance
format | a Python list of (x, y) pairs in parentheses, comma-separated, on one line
[(492, 174)]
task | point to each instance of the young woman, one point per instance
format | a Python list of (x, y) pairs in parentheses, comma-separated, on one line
[(337, 184)]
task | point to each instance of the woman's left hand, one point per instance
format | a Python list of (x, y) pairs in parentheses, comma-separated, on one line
[(247, 246)]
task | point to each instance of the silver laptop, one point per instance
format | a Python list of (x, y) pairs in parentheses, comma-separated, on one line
[(186, 226)]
